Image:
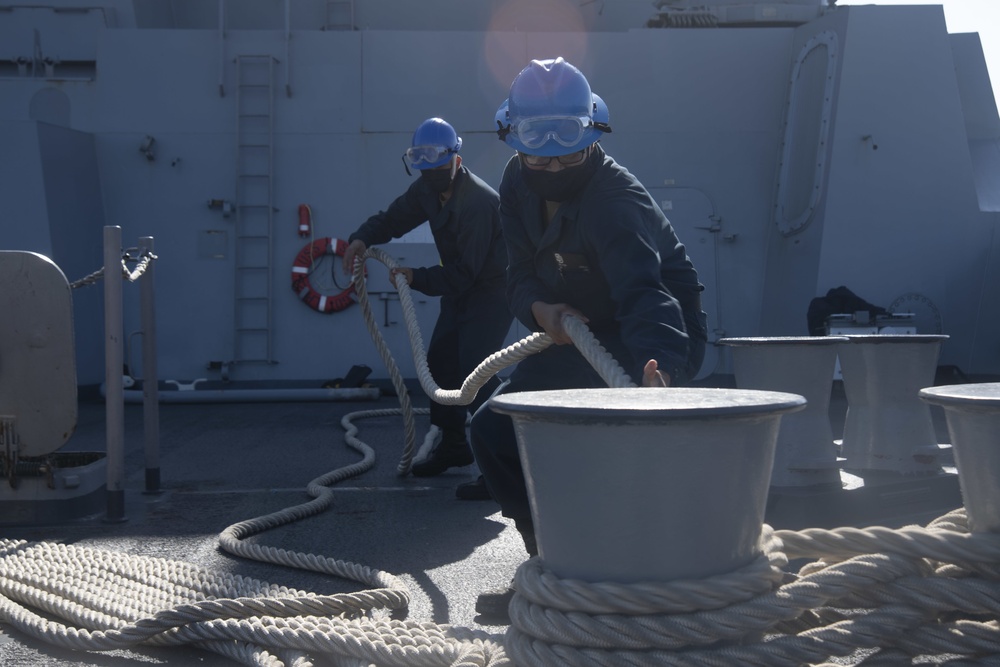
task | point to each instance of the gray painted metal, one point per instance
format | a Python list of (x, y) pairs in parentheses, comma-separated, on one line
[(73, 487), (805, 454), (652, 443), (973, 416), (888, 428), (113, 363), (37, 367), (859, 147), (150, 392)]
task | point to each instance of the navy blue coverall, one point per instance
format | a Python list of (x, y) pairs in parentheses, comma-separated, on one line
[(474, 317), (609, 252)]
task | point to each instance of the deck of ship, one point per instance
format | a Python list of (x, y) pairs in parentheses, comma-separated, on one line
[(222, 463)]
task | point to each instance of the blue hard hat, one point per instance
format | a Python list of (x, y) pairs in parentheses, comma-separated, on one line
[(434, 142), (551, 110)]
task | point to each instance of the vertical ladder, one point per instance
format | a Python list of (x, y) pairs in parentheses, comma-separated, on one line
[(254, 208)]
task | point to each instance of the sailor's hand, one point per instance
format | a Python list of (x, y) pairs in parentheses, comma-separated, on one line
[(356, 248), (651, 377), (404, 271), (550, 317)]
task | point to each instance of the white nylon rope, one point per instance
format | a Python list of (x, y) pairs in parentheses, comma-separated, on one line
[(114, 600), (896, 590), (605, 365)]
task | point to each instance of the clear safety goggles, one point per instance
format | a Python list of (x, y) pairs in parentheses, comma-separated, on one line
[(428, 154), (569, 160), (564, 130)]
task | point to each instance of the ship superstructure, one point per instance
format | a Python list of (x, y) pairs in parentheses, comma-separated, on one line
[(796, 146)]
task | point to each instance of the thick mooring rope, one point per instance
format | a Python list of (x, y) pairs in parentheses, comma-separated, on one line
[(909, 593), (932, 591), (605, 365), (900, 594)]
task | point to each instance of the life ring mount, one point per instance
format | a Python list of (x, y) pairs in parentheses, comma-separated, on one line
[(302, 267)]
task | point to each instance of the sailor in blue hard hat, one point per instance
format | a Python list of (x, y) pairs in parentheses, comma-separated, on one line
[(587, 240), (435, 146), (473, 322)]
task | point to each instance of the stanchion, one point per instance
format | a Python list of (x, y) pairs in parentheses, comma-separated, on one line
[(150, 374), (114, 401)]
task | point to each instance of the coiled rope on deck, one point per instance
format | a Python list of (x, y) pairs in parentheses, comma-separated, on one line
[(896, 593), (899, 594), (906, 593), (116, 601)]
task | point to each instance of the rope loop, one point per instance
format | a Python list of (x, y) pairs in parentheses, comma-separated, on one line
[(584, 340), (143, 258), (900, 600)]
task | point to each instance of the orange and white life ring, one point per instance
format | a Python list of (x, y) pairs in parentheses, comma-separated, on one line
[(310, 254)]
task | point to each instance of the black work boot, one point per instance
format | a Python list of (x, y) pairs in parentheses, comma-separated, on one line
[(493, 606), (449, 453), (473, 490)]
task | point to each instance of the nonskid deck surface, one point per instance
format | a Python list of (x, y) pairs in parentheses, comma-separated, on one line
[(225, 463), (230, 462)]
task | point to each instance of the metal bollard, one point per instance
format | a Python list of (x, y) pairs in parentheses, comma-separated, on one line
[(887, 425), (805, 454), (972, 412), (647, 484)]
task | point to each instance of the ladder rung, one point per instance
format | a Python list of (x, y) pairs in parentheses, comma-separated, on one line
[(255, 115), (260, 175), (255, 145)]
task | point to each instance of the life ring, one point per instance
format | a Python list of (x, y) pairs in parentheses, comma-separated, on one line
[(310, 253)]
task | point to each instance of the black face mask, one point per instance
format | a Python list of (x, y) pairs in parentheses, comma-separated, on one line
[(559, 186), (437, 180)]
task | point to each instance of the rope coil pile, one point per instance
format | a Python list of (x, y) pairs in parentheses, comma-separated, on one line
[(894, 595), (910, 592)]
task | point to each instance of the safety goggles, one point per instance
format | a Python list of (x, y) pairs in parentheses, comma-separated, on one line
[(570, 160), (428, 154), (564, 130)]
